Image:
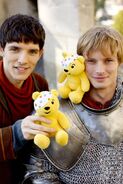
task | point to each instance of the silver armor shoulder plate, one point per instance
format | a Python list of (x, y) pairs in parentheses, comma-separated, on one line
[(64, 158), (106, 125)]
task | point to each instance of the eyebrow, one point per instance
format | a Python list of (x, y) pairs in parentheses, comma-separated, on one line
[(16, 44), (13, 46), (35, 49), (19, 47), (90, 59)]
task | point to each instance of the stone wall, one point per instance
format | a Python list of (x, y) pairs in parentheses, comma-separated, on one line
[(10, 7), (64, 21)]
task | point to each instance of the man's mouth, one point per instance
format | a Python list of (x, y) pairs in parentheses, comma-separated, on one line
[(21, 69), (100, 78)]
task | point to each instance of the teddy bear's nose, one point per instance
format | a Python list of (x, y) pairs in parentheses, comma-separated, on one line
[(47, 108), (65, 70)]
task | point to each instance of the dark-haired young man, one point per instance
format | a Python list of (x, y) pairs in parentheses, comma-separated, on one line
[(22, 39)]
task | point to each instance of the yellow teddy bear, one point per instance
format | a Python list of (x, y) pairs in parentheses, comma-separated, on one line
[(46, 104), (73, 77)]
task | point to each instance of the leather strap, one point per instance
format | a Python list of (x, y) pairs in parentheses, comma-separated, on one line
[(4, 101)]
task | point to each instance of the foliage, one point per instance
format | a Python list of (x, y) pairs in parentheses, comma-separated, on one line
[(99, 4), (118, 21)]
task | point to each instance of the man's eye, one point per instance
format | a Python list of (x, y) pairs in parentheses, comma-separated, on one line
[(33, 52), (90, 60), (15, 49), (109, 60)]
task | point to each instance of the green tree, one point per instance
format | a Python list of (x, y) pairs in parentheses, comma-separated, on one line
[(118, 21), (99, 4)]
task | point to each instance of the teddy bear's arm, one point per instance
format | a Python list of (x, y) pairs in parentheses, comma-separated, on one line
[(62, 77), (63, 120), (84, 82)]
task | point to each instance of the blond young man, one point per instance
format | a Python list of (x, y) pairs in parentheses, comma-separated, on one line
[(98, 149)]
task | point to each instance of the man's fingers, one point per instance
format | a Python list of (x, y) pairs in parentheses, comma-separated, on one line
[(30, 128), (42, 119), (34, 132), (35, 126)]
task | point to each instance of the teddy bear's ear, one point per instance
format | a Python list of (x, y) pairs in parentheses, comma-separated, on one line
[(65, 54), (54, 92), (35, 95), (81, 59)]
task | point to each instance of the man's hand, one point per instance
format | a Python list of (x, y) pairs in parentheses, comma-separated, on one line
[(30, 128)]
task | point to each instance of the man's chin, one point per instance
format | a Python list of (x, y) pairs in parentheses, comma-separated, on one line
[(22, 76), (100, 86)]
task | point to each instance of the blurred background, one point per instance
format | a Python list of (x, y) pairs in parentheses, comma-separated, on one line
[(64, 21)]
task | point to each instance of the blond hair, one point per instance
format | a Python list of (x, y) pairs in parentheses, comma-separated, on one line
[(103, 38)]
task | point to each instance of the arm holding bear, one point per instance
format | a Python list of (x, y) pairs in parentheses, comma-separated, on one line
[(62, 77), (63, 120), (85, 85)]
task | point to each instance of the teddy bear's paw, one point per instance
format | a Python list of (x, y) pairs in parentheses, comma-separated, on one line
[(64, 92), (61, 137), (42, 141), (76, 97)]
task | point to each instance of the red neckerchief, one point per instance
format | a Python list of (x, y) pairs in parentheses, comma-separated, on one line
[(19, 100), (87, 100)]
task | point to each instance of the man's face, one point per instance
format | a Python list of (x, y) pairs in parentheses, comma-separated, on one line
[(19, 60), (102, 70)]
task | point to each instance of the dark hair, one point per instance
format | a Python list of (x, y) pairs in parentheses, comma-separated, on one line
[(22, 28)]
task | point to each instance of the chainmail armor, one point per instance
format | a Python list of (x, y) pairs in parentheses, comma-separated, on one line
[(99, 164)]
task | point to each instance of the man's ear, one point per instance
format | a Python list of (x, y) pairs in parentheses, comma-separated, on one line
[(41, 52)]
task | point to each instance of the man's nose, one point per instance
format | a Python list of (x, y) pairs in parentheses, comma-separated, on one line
[(100, 68), (22, 59)]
